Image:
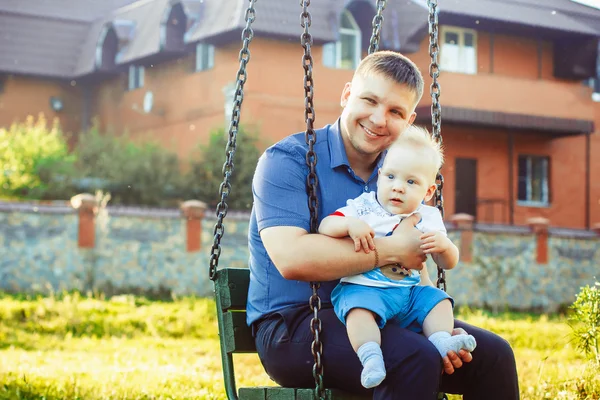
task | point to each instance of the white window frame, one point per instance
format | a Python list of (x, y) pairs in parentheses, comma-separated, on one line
[(594, 83), (545, 202), (463, 64), (203, 64), (135, 77), (336, 47)]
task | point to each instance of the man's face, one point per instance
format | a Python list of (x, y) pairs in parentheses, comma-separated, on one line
[(376, 111)]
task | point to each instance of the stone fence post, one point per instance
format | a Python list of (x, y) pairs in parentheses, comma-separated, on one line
[(193, 212), (539, 226), (464, 223), (86, 206)]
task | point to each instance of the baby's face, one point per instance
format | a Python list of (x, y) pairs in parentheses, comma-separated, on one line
[(405, 180)]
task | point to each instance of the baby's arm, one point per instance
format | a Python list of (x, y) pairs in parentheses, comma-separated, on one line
[(342, 226), (441, 248)]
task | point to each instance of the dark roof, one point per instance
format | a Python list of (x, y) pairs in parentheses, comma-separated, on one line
[(556, 15), (46, 37), (553, 126), (60, 38)]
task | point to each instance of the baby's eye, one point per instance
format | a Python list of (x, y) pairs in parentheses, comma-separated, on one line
[(411, 181), (390, 176)]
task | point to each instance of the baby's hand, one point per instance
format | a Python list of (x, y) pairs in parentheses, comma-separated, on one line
[(434, 242), (362, 234)]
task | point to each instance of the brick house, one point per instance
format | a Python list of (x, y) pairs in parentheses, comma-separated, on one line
[(520, 83)]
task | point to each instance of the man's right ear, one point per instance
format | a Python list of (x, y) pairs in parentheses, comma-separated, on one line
[(345, 94)]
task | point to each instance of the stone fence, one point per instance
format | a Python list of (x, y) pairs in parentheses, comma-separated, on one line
[(162, 252)]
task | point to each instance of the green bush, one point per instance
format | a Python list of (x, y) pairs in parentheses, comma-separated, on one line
[(134, 174), (585, 322), (206, 172), (35, 161), (37, 164)]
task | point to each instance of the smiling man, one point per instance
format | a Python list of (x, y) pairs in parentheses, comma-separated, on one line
[(378, 105)]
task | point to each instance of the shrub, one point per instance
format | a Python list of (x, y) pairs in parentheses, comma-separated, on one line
[(585, 322), (140, 174), (206, 172), (35, 161)]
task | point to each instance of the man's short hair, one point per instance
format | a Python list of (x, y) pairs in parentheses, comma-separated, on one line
[(394, 66)]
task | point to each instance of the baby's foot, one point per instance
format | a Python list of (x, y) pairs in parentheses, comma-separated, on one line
[(373, 366), (373, 372), (445, 342)]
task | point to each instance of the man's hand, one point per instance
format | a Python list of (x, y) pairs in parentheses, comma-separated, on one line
[(408, 243), (434, 242), (454, 361), (362, 234)]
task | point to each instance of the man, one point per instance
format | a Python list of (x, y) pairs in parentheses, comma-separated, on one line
[(378, 105)]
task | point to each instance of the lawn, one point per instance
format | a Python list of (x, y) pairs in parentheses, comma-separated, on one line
[(71, 347)]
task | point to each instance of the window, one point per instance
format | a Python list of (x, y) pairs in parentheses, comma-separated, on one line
[(205, 56), (594, 83), (533, 180), (459, 50), (346, 52), (136, 77)]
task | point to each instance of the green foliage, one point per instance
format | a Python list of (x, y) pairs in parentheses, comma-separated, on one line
[(36, 164), (134, 174), (34, 160), (585, 322), (206, 173)]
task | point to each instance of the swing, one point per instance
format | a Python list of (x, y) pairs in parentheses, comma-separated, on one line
[(231, 284)]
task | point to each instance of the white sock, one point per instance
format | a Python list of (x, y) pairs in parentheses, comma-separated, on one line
[(444, 342), (371, 358)]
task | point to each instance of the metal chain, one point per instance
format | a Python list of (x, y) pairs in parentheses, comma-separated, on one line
[(312, 183), (225, 188), (377, 22), (436, 112)]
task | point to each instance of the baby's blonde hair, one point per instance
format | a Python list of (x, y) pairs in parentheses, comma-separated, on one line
[(419, 137)]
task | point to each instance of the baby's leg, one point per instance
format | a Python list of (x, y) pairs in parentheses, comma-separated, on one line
[(438, 326), (365, 338)]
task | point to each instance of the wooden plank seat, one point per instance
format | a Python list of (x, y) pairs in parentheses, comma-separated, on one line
[(231, 292)]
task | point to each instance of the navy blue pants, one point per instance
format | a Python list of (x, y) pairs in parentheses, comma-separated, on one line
[(414, 368)]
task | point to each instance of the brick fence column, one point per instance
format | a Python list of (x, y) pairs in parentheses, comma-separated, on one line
[(86, 206), (539, 226), (193, 212), (464, 223), (596, 228)]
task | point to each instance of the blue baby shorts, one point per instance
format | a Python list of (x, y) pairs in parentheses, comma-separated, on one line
[(405, 306)]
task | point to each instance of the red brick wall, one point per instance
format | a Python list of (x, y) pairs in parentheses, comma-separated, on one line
[(23, 96), (192, 103)]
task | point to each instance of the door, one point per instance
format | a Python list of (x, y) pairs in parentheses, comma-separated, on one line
[(466, 186)]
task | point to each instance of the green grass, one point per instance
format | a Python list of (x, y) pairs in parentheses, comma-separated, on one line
[(70, 347)]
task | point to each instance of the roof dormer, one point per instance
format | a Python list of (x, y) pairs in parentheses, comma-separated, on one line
[(114, 37), (178, 18)]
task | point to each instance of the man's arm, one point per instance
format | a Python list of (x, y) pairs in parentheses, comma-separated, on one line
[(299, 255)]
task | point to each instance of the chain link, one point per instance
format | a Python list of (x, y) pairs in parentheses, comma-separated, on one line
[(436, 111), (312, 183), (377, 22), (225, 188)]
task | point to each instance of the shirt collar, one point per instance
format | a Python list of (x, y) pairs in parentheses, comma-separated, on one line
[(337, 151)]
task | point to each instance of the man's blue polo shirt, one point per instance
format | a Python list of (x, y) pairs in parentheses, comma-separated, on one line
[(280, 199)]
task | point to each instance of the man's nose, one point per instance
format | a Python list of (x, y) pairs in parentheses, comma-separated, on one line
[(378, 117)]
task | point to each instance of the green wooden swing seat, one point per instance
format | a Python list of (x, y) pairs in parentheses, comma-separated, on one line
[(231, 293)]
